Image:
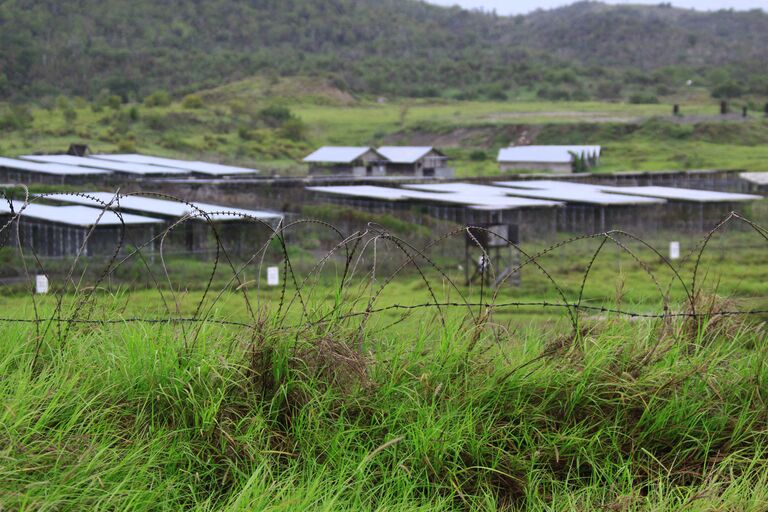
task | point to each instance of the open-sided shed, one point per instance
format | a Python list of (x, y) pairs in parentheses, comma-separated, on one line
[(118, 168), (535, 217), (205, 169), (25, 172), (62, 231), (685, 210), (235, 227)]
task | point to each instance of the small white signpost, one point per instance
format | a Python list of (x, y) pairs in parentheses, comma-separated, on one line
[(273, 276), (674, 250), (41, 284)]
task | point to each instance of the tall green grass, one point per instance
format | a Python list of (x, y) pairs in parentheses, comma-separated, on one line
[(625, 415)]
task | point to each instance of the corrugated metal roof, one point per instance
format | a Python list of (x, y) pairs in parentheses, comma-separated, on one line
[(57, 169), (758, 178), (574, 193), (166, 208), (670, 193), (367, 191), (338, 154), (461, 188), (80, 216), (141, 169), (405, 154), (683, 194), (498, 201), (488, 202), (187, 165), (546, 154)]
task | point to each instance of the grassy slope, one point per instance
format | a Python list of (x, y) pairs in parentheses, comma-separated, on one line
[(226, 128)]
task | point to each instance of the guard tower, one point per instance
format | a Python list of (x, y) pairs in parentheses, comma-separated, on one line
[(490, 255)]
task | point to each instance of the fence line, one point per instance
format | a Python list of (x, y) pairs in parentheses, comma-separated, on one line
[(351, 250)]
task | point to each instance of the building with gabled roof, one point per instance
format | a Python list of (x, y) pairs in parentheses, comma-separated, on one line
[(559, 159), (418, 161), (347, 161)]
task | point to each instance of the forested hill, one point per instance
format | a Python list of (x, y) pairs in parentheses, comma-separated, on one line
[(399, 47)]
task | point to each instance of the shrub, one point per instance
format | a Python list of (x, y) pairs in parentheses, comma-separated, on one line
[(553, 93), (727, 90), (156, 122), (70, 115), (133, 113), (244, 133), (114, 102), (478, 155), (17, 117), (294, 130), (608, 90), (174, 141), (640, 98), (62, 103), (580, 95), (159, 98), (127, 146), (192, 101), (275, 115)]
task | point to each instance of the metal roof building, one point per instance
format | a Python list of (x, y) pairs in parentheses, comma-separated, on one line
[(546, 158), (469, 200), (116, 167), (685, 210), (405, 154), (347, 161), (235, 227), (582, 208), (340, 154), (194, 167), (163, 207), (574, 193), (534, 216), (58, 231), (418, 161), (683, 194), (27, 172)]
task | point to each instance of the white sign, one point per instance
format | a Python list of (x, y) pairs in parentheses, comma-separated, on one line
[(674, 250), (41, 284), (273, 276)]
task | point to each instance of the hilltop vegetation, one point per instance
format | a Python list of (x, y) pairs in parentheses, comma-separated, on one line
[(393, 47)]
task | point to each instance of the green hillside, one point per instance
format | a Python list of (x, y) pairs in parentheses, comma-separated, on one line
[(391, 47), (271, 123)]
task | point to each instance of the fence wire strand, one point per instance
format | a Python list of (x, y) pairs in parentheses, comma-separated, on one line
[(359, 256)]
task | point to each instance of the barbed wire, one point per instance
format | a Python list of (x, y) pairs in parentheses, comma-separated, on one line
[(358, 254)]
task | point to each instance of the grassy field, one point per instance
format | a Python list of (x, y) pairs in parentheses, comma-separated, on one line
[(151, 396), (228, 124), (424, 415)]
